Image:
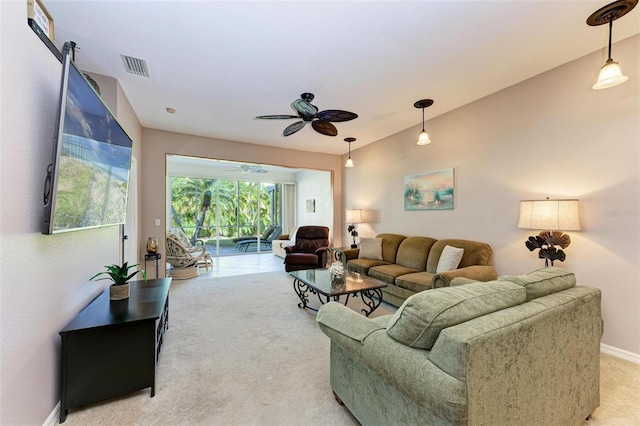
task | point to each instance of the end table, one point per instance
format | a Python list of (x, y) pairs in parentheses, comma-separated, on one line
[(152, 256)]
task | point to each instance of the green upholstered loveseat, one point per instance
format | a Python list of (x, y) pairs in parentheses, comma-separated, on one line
[(409, 264), (521, 350)]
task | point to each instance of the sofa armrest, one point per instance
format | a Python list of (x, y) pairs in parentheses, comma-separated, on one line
[(350, 254), (475, 272), (337, 318)]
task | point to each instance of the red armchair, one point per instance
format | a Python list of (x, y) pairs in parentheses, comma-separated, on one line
[(310, 250)]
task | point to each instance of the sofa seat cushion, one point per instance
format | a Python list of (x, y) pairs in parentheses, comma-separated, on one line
[(422, 316), (389, 273), (362, 266), (544, 281), (416, 282)]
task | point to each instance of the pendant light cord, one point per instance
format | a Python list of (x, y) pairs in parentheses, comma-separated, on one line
[(610, 33)]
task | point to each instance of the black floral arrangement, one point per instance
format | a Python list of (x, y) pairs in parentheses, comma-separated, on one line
[(546, 242)]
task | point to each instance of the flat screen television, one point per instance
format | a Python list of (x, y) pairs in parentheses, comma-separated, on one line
[(88, 179)]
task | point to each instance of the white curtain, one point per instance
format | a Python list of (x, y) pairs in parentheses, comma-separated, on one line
[(288, 207)]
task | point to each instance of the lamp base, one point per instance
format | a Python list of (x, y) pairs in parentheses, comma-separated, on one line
[(354, 246)]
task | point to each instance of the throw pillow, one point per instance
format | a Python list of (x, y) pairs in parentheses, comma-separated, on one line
[(449, 259), (370, 248), (418, 322), (541, 282)]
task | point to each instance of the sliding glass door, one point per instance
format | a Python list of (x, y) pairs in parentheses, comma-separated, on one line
[(224, 213)]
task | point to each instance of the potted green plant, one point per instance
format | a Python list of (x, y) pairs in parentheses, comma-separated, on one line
[(120, 277)]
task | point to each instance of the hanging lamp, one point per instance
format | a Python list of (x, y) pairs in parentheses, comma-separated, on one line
[(423, 138), (349, 162), (610, 73)]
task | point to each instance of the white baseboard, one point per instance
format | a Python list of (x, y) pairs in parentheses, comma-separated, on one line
[(620, 353), (54, 417)]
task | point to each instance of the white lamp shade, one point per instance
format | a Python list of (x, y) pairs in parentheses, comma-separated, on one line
[(349, 162), (550, 215), (354, 215), (423, 139), (610, 75)]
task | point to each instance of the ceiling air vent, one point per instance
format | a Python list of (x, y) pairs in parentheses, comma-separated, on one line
[(135, 66)]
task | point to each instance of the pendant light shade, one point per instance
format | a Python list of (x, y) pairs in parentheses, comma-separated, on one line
[(610, 73), (423, 138), (349, 162)]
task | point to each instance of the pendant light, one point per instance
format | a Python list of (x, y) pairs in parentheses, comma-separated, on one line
[(423, 138), (610, 73), (349, 162)]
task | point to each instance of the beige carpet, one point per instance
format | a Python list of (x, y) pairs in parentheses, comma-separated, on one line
[(240, 352)]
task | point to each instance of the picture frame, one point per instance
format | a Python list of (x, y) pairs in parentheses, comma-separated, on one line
[(311, 206), (37, 12), (429, 191)]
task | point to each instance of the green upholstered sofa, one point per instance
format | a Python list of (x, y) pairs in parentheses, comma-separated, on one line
[(409, 264), (520, 350)]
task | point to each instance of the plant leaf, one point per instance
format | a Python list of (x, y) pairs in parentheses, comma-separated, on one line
[(555, 238), (534, 243)]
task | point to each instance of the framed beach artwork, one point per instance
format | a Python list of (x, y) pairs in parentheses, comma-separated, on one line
[(429, 191)]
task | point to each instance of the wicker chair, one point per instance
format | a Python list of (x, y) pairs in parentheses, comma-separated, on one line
[(179, 235), (184, 262)]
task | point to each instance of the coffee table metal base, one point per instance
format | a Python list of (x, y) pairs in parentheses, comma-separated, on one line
[(372, 298)]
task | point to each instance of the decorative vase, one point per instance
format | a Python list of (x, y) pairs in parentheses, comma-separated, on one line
[(152, 245), (337, 272), (119, 292)]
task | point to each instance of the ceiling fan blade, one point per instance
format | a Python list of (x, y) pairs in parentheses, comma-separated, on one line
[(304, 108), (336, 115), (277, 117), (324, 127), (291, 129)]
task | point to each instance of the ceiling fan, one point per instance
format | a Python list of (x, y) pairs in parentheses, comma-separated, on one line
[(245, 168), (320, 120)]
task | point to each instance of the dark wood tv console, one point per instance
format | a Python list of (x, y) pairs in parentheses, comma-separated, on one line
[(111, 348)]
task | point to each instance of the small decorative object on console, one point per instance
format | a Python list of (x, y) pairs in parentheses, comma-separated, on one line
[(152, 245), (120, 276)]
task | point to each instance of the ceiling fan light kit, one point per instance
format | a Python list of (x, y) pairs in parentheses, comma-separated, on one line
[(349, 162), (321, 121), (610, 74), (423, 138)]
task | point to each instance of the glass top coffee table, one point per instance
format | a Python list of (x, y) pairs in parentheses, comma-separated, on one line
[(318, 281)]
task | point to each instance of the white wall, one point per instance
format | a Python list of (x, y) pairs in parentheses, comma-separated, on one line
[(550, 136), (314, 185), (43, 278)]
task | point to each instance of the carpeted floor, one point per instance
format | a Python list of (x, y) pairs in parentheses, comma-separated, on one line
[(240, 352)]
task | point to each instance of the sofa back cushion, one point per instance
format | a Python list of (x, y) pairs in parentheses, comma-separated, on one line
[(541, 282), (475, 253), (413, 252), (418, 322), (390, 244)]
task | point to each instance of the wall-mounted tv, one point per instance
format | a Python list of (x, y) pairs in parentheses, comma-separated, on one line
[(88, 179)]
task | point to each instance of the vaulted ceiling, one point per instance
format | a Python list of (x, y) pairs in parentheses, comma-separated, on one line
[(221, 63)]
